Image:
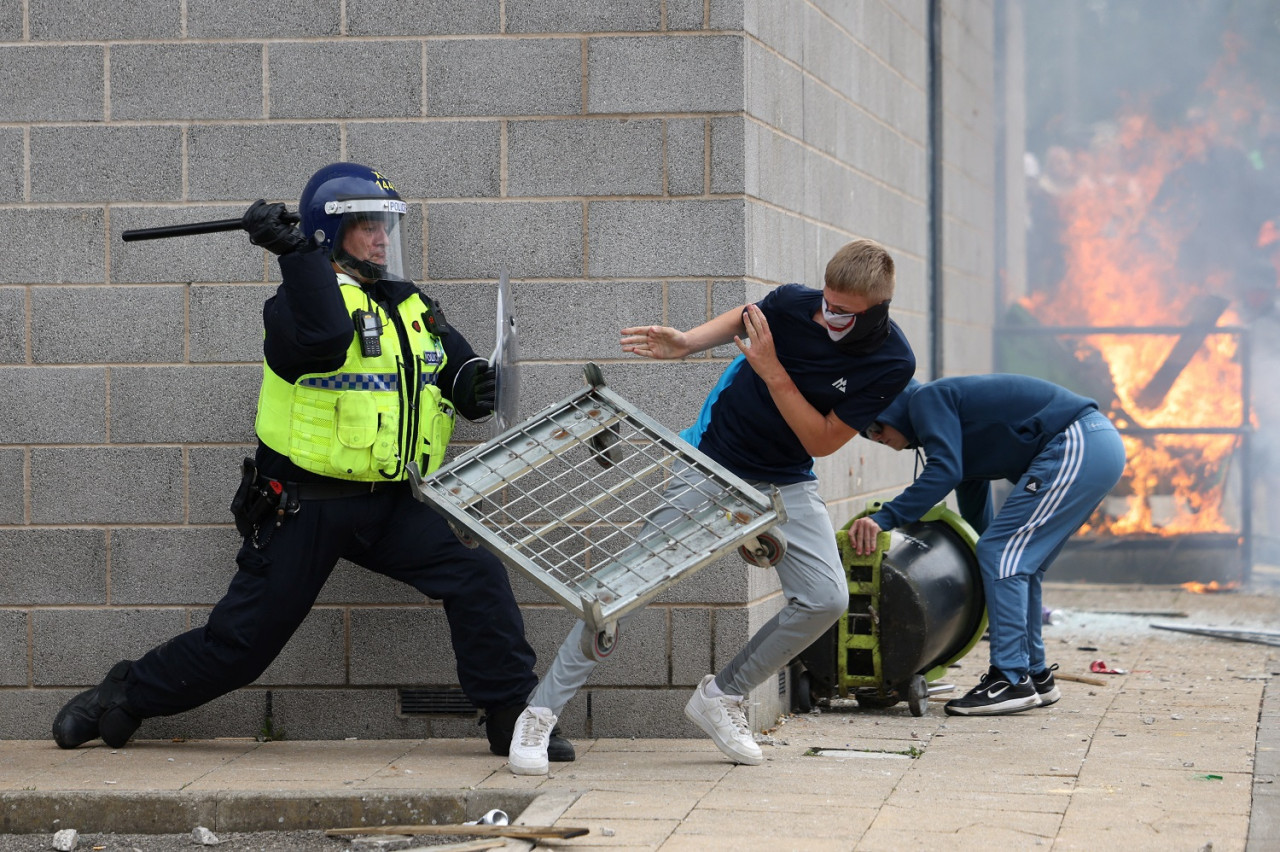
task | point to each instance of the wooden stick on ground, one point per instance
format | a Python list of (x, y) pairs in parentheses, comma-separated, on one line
[(522, 832), (1092, 681)]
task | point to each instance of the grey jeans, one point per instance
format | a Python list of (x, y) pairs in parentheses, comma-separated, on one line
[(812, 578)]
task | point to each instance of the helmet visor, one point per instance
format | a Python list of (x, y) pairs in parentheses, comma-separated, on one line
[(370, 241)]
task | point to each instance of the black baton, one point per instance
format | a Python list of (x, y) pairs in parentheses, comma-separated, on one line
[(183, 230)]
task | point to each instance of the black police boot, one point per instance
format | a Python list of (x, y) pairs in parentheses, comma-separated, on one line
[(499, 725), (98, 712)]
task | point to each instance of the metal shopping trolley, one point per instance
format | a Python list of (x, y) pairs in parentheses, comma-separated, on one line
[(575, 498)]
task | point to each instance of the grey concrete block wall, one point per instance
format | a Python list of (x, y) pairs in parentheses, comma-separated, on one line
[(634, 162)]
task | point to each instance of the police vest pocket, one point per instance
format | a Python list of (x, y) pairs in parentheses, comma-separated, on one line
[(355, 418), (439, 431)]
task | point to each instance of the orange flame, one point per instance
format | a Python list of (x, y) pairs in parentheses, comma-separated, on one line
[(1210, 587), (1121, 270)]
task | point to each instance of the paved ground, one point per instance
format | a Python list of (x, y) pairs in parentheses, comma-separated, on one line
[(1178, 753)]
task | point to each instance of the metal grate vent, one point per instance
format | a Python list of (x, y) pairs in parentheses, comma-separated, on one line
[(782, 682), (421, 701)]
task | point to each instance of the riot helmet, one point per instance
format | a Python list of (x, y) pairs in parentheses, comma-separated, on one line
[(355, 213)]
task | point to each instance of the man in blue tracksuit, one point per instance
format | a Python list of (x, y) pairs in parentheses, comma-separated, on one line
[(1063, 456)]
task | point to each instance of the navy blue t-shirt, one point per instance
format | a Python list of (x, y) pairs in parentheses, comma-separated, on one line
[(741, 428)]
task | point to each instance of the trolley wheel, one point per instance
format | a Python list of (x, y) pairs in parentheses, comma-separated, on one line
[(918, 695), (465, 537), (604, 443), (593, 375), (766, 550), (598, 646), (802, 693), (874, 700)]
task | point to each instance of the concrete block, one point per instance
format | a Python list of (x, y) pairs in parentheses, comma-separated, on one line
[(13, 637), (236, 714), (76, 414), (529, 239), (12, 170), (335, 714), (11, 23), (87, 325), (221, 257), (187, 404), (664, 74), (504, 77), (690, 648), (401, 646), (545, 628), (33, 241), (186, 81), (207, 19), (728, 155), (379, 79), (49, 83), (584, 157), (243, 162), (666, 238), (685, 14), (728, 14), (724, 581), (13, 325), (106, 485), (172, 566), (13, 489), (84, 20), (120, 163), (28, 713), (213, 474), (422, 17), (615, 713), (641, 655), (582, 320), (438, 159), (779, 25), (314, 655), (775, 90), (686, 156), (351, 584), (570, 16), (55, 567), (76, 647), (225, 322)]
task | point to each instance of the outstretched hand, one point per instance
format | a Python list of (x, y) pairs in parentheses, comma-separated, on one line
[(654, 341)]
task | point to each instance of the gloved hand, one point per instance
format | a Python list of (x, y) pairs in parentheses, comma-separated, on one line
[(271, 226), (476, 389)]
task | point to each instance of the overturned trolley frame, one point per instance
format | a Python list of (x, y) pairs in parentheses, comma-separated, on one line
[(575, 498)]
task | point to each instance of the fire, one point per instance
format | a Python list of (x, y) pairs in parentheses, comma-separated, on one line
[(1210, 587), (1122, 244)]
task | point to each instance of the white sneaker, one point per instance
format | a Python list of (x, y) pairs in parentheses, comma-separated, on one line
[(725, 722), (528, 754)]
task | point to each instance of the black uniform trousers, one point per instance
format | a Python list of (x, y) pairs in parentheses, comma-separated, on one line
[(387, 531)]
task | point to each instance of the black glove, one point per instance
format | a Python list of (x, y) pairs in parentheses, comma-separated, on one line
[(271, 226), (477, 389)]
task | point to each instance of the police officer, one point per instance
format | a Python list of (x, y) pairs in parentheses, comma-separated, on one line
[(362, 376)]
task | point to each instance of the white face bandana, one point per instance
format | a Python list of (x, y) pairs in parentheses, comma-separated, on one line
[(838, 325)]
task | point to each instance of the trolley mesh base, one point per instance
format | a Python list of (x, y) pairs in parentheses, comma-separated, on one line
[(574, 499)]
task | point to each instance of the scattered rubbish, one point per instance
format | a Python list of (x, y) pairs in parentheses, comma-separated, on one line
[(65, 839), (909, 754), (1208, 777), (1092, 681), (1169, 613), (608, 832), (493, 817), (1086, 648), (1261, 637), (204, 836), (521, 832), (1148, 720), (1101, 667), (1052, 616)]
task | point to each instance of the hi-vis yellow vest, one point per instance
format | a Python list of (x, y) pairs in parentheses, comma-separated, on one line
[(369, 418)]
